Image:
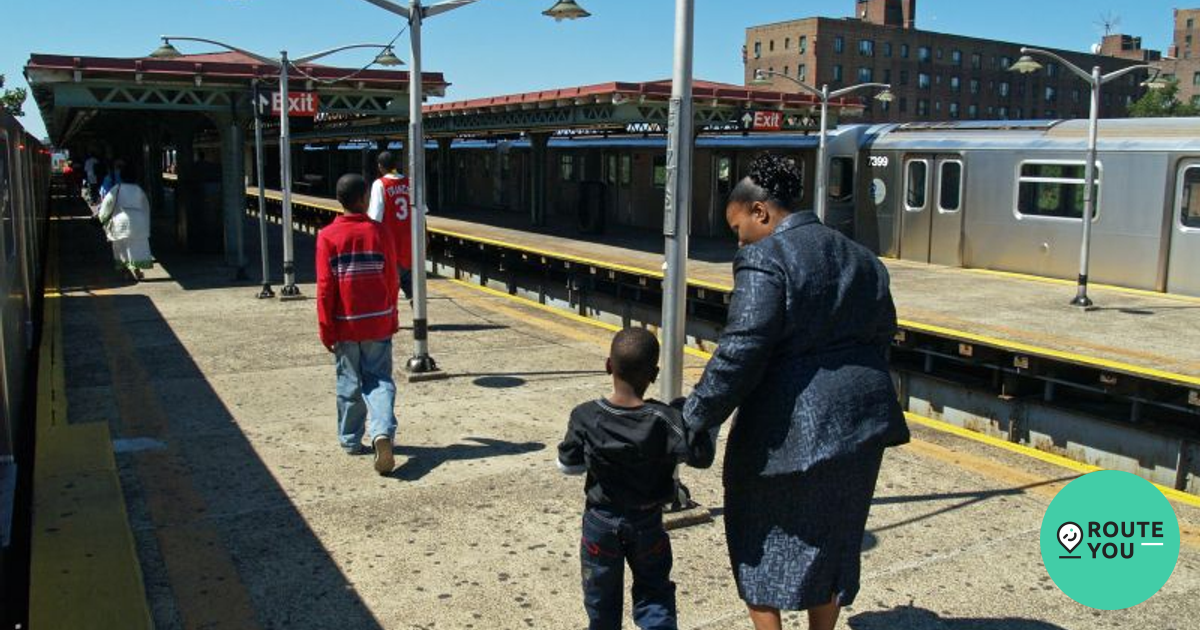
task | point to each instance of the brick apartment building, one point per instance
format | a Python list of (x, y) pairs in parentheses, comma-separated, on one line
[(1184, 55), (936, 76)]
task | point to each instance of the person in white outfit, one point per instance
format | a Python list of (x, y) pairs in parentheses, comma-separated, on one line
[(125, 215)]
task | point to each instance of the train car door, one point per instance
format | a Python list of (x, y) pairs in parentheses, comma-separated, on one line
[(931, 222), (1184, 259), (915, 222), (946, 215)]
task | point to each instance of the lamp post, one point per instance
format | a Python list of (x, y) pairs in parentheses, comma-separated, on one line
[(825, 96), (422, 366), (283, 64), (1095, 79)]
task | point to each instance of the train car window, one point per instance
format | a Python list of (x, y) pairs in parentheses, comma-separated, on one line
[(725, 170), (841, 179), (660, 171), (1189, 212), (1054, 190), (610, 170), (6, 213), (950, 189), (626, 169), (916, 185), (566, 168)]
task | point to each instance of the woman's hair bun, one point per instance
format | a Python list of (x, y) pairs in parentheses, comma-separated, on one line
[(778, 177)]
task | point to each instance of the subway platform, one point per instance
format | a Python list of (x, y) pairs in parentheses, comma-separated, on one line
[(244, 513)]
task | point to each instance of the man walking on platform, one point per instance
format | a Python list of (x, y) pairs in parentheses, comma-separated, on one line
[(356, 312), (390, 207)]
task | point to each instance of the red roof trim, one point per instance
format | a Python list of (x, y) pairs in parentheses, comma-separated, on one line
[(216, 66), (659, 90)]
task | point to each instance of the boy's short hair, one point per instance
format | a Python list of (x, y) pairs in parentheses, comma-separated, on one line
[(634, 356), (386, 161), (351, 189)]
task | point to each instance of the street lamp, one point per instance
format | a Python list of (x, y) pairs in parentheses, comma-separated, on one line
[(422, 366), (1028, 65), (825, 96), (385, 57)]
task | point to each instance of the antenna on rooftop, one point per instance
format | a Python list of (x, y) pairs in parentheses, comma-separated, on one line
[(1109, 22)]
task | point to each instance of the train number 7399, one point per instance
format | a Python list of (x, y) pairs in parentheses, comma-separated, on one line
[(879, 161)]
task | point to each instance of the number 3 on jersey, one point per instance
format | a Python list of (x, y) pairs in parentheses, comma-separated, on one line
[(402, 207)]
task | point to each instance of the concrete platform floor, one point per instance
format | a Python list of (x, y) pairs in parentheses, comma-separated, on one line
[(247, 515)]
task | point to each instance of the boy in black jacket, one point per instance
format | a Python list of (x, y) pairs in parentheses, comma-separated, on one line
[(629, 448)]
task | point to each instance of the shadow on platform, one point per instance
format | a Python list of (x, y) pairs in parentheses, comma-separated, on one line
[(423, 460), (913, 618)]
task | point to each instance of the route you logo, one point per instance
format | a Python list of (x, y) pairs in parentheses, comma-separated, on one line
[(1110, 540)]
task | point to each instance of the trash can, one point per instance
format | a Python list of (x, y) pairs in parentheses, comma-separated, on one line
[(593, 199)]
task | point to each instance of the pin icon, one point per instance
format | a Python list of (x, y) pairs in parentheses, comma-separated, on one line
[(1069, 536)]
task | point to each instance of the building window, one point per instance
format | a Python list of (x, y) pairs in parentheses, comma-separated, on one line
[(956, 57), (1076, 95), (802, 72), (903, 105), (940, 54), (955, 84), (904, 77), (839, 44), (1051, 94), (1003, 112), (923, 107), (1006, 63), (1020, 113), (954, 110), (566, 168), (1052, 69), (787, 44), (785, 71), (866, 48), (937, 78), (803, 44), (1195, 80), (976, 61), (757, 53), (865, 75), (887, 75), (973, 112), (887, 49), (837, 73), (974, 86), (1189, 209), (1054, 189), (770, 47), (1190, 23), (904, 51), (924, 54), (923, 81), (937, 107)]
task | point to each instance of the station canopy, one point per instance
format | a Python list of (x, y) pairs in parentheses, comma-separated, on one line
[(617, 107), (71, 90)]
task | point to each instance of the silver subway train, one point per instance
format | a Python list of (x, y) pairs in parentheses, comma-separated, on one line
[(1001, 195), (24, 196)]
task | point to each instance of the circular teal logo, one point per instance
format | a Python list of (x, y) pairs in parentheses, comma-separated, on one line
[(1110, 540)]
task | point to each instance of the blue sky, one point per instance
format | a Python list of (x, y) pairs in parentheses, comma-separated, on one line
[(504, 46)]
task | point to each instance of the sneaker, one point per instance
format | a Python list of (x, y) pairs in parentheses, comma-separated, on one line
[(385, 461)]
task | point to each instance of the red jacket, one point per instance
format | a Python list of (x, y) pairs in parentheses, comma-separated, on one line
[(357, 281)]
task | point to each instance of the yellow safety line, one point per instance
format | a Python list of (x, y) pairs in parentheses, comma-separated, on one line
[(1056, 354), (1107, 287), (1028, 451), (944, 427), (960, 335)]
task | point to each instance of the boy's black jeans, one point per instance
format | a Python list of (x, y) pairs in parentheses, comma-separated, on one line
[(610, 539)]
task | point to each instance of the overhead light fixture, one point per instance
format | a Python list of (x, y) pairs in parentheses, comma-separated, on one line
[(166, 51), (1026, 65), (761, 80), (885, 96), (388, 58), (1156, 82), (566, 10)]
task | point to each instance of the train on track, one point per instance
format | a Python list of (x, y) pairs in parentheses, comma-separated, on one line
[(24, 204), (1000, 195)]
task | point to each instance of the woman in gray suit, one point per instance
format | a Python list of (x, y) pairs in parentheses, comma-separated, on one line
[(803, 358)]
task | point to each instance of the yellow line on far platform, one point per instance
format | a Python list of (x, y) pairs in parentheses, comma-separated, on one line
[(930, 423)]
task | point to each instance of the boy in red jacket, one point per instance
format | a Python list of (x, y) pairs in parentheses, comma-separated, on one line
[(356, 310)]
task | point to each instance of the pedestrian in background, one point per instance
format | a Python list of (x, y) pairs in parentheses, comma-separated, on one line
[(356, 314), (125, 215), (803, 358), (390, 207)]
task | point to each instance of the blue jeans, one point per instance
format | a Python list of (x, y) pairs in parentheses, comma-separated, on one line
[(364, 388), (612, 538)]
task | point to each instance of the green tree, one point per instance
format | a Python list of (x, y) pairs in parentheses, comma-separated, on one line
[(12, 100), (1163, 103)]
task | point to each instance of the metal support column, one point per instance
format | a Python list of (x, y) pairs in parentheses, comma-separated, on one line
[(289, 290)]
